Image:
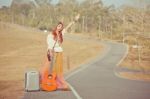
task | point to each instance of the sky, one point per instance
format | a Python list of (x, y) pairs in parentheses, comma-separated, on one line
[(5, 2), (117, 3)]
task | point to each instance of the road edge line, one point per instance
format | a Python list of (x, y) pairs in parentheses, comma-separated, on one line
[(84, 66)]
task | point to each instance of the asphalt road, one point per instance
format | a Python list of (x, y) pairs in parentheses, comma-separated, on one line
[(98, 80)]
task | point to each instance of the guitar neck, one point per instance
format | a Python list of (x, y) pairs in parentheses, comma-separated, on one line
[(52, 62)]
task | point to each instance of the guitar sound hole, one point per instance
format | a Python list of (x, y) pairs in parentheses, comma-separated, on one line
[(50, 76)]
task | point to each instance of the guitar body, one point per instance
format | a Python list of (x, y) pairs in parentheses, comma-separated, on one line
[(48, 82)]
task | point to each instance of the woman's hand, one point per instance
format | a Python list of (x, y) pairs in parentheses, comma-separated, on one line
[(71, 23), (77, 17), (50, 54)]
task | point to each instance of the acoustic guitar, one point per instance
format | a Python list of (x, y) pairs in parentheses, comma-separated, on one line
[(48, 82)]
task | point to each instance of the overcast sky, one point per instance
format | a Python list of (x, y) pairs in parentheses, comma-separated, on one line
[(5, 2), (117, 3)]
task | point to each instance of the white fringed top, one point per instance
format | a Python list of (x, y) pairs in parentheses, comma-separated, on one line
[(51, 42)]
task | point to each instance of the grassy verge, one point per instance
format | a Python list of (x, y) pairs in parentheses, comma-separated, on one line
[(134, 62)]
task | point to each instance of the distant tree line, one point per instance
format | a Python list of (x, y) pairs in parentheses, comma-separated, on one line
[(95, 17)]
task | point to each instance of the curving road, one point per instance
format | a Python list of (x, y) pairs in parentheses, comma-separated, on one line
[(98, 80)]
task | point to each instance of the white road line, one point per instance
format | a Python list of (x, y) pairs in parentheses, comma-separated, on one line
[(84, 66), (125, 55), (75, 92)]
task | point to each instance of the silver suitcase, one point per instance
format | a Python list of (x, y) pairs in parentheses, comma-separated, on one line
[(32, 81)]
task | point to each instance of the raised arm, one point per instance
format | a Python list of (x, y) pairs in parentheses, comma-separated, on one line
[(71, 23)]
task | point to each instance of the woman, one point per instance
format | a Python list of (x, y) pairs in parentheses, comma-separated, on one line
[(56, 38)]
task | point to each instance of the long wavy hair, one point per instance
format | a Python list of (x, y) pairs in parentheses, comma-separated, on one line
[(60, 32)]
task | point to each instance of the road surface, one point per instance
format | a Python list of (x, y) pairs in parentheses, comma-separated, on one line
[(98, 80)]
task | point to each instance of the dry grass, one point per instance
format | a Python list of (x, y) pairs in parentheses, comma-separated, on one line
[(132, 60), (135, 76), (25, 48)]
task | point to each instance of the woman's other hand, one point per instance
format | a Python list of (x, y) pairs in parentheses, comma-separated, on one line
[(71, 23), (77, 17), (50, 54)]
